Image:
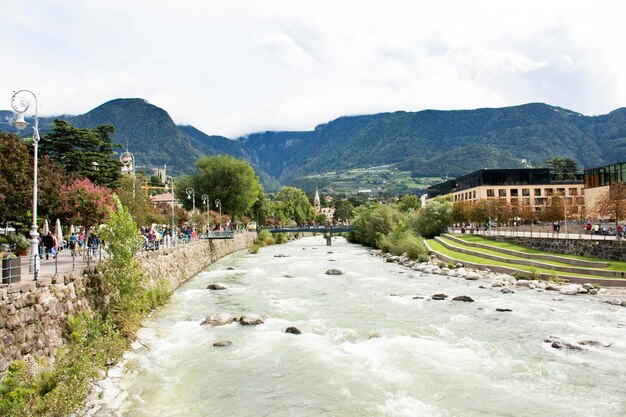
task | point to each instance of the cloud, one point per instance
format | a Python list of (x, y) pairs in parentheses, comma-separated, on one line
[(235, 67)]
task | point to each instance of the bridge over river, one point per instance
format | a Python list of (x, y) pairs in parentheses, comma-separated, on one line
[(328, 230)]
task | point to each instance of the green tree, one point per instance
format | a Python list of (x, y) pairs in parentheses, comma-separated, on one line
[(374, 222), (139, 206), (228, 179), (16, 182), (433, 218), (409, 203), (83, 153), (293, 204), (563, 168), (344, 211)]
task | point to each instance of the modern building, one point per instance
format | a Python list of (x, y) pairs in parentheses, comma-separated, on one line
[(598, 181), (534, 187)]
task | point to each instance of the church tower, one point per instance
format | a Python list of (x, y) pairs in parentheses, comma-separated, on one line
[(316, 202)]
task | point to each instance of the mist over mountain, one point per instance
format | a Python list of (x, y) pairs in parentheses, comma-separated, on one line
[(429, 142)]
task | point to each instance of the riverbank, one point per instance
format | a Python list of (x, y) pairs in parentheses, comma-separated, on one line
[(505, 282)]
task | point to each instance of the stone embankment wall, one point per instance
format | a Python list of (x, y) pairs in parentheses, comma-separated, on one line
[(604, 249), (33, 313)]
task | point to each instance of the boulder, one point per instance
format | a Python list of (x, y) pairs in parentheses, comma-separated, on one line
[(251, 319), (230, 268), (615, 301), (222, 343), (293, 330), (439, 297), (219, 319), (506, 290), (502, 310), (496, 284), (464, 298), (334, 271), (588, 286), (570, 289), (472, 276), (559, 344), (593, 291), (553, 287), (216, 287)]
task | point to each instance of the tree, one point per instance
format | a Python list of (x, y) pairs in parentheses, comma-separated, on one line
[(139, 206), (613, 204), (293, 204), (409, 203), (374, 222), (16, 180), (84, 203), (433, 218), (228, 179), (83, 153), (554, 211), (563, 168), (344, 211)]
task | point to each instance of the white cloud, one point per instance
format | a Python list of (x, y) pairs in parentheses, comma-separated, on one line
[(240, 66)]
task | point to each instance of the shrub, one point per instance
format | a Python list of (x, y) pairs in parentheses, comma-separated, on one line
[(280, 238)]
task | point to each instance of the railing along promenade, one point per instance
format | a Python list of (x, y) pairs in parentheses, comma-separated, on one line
[(16, 268)]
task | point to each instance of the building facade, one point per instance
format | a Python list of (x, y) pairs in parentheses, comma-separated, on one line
[(533, 187), (598, 182)]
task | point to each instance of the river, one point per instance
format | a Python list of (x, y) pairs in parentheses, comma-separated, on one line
[(368, 347)]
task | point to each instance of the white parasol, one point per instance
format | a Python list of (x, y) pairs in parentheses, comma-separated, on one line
[(72, 229), (46, 228), (58, 232)]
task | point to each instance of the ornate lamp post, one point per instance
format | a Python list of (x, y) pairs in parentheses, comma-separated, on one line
[(128, 160), (218, 203), (206, 200), (21, 102), (191, 195), (170, 182)]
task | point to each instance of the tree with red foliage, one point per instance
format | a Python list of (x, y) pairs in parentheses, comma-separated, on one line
[(84, 203)]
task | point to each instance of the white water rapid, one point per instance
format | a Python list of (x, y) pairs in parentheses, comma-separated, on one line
[(367, 347)]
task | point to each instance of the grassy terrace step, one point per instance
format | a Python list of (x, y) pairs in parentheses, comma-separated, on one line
[(613, 265), (483, 243), (461, 257), (521, 260)]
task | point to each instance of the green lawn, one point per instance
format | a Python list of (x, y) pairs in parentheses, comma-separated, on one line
[(613, 265), (438, 247)]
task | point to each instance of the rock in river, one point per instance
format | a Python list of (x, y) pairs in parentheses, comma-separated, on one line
[(292, 330), (334, 271), (222, 343), (216, 287), (251, 319), (502, 310), (219, 319), (439, 297), (463, 298)]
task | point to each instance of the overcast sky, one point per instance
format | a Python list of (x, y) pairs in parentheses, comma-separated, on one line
[(233, 67)]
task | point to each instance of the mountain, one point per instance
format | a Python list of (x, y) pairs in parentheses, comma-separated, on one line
[(429, 142)]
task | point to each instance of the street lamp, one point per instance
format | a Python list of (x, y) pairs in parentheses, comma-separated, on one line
[(206, 200), (170, 182), (191, 195), (128, 160), (218, 203), (20, 101)]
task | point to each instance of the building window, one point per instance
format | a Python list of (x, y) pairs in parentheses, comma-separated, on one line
[(537, 192), (490, 193), (549, 192), (525, 192), (573, 191), (514, 192), (560, 191), (474, 194), (540, 201), (526, 201), (501, 193)]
